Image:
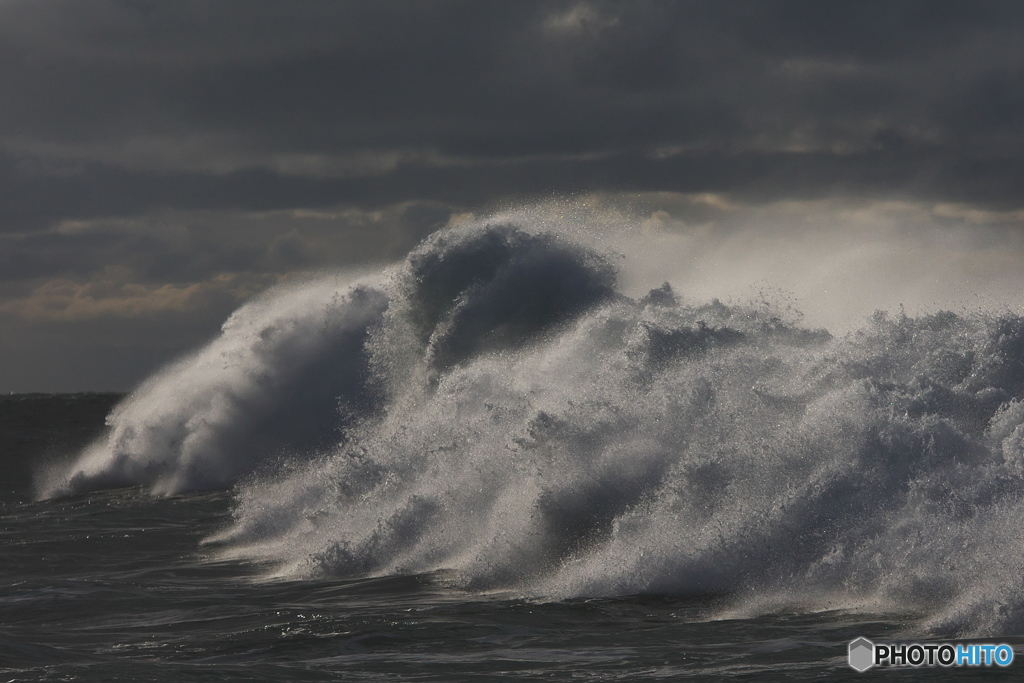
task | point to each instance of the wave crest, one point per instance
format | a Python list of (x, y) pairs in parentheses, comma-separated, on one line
[(509, 416)]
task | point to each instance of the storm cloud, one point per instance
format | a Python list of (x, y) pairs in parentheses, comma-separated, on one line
[(160, 162)]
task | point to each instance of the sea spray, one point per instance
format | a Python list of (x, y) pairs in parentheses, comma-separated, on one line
[(508, 416), (283, 378)]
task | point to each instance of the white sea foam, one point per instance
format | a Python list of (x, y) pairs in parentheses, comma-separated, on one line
[(508, 415)]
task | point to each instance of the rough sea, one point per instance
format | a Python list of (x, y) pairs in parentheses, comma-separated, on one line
[(487, 462)]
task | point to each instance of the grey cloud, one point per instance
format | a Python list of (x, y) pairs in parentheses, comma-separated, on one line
[(486, 78), (103, 354), (155, 143), (184, 247), (557, 87), (892, 167)]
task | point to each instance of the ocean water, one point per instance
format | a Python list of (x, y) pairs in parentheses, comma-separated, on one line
[(487, 461)]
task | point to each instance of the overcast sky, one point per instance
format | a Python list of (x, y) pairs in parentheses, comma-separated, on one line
[(160, 162)]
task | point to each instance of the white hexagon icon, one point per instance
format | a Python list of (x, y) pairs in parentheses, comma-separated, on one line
[(862, 654)]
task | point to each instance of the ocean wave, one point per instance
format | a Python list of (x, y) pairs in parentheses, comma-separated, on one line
[(495, 407)]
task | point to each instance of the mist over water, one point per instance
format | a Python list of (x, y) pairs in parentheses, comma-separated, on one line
[(497, 408)]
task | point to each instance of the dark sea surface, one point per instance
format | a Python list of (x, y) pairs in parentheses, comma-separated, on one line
[(115, 586)]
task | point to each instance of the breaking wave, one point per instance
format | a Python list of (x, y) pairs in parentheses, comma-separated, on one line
[(496, 408)]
